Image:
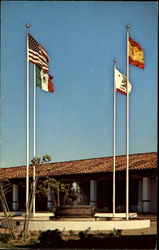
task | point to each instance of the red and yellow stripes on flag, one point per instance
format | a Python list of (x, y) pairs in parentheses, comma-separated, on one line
[(136, 54)]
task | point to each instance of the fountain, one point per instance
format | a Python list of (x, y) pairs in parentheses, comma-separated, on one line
[(74, 209)]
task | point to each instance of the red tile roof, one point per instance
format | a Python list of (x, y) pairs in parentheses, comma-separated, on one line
[(87, 166)]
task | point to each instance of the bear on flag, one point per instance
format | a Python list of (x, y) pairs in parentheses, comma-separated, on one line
[(120, 83)]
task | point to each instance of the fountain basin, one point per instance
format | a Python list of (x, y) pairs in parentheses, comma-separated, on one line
[(83, 211)]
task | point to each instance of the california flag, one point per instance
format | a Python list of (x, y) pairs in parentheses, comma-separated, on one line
[(43, 80), (120, 83)]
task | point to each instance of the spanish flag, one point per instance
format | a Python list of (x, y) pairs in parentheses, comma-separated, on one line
[(136, 54)]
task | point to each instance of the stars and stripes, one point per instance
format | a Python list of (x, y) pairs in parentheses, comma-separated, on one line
[(37, 54)]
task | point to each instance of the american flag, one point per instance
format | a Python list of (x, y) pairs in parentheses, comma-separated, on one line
[(37, 54)]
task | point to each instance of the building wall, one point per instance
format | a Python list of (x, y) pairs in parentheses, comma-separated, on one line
[(103, 194), (153, 195)]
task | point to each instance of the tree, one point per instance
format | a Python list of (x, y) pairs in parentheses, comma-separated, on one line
[(59, 191), (36, 161), (5, 187)]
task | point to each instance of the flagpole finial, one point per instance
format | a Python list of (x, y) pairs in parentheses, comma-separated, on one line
[(27, 26), (115, 60), (127, 26)]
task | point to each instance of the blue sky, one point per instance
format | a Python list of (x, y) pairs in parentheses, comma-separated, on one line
[(82, 39)]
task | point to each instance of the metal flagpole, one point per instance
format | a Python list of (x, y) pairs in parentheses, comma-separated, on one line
[(34, 139), (114, 141), (127, 123), (27, 122)]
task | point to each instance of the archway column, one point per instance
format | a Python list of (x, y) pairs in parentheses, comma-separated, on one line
[(146, 194), (15, 202), (49, 199), (93, 193)]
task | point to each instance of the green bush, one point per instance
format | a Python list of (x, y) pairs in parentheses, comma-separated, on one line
[(5, 238), (71, 232), (102, 210), (83, 234), (51, 238), (116, 233), (33, 241)]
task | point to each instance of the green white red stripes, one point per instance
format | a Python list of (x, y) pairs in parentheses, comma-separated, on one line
[(43, 80)]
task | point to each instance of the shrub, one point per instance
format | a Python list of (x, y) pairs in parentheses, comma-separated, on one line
[(5, 238), (83, 234), (116, 233), (71, 232), (33, 241), (51, 238)]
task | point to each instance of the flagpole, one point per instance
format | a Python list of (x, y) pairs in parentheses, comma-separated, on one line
[(34, 139), (127, 122), (114, 141), (27, 121)]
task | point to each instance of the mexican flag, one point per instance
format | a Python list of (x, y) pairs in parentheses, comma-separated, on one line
[(43, 80)]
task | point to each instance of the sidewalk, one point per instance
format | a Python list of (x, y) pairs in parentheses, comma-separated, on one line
[(145, 231)]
